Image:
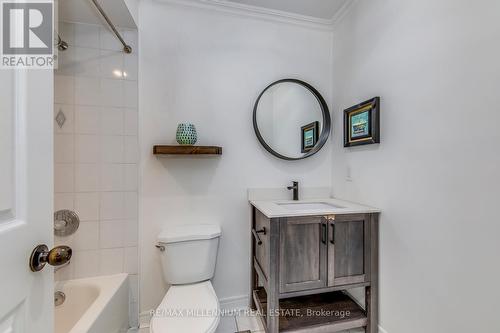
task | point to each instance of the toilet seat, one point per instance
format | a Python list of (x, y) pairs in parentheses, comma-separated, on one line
[(190, 308)]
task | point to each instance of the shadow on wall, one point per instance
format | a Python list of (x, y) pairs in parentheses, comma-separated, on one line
[(353, 150), (191, 177)]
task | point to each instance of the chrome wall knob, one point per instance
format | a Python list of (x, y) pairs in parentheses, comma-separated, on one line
[(41, 256)]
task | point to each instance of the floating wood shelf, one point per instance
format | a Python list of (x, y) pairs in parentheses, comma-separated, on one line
[(329, 312), (187, 150)]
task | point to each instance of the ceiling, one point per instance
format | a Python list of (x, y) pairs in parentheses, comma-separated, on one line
[(320, 9), (84, 11)]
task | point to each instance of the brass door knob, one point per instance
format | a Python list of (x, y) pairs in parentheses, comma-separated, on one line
[(41, 256)]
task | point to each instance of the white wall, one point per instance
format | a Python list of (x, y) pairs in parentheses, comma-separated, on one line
[(436, 66), (133, 8), (208, 68), (95, 152)]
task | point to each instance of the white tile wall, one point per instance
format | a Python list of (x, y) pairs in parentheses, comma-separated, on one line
[(87, 35), (87, 177), (130, 68), (68, 110), (67, 32), (108, 41), (130, 125), (64, 201), (63, 148), (131, 260), (112, 148), (96, 153), (65, 176), (88, 148), (87, 237), (64, 92), (86, 264), (112, 120), (112, 234), (112, 63), (112, 206), (87, 206), (86, 61), (87, 90), (111, 261), (112, 92), (87, 120), (130, 233)]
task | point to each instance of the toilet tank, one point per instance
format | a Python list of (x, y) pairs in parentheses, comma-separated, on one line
[(190, 253)]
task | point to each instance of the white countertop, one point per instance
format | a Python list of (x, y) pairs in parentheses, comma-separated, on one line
[(273, 208)]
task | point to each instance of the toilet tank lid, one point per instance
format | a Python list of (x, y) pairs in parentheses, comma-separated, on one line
[(184, 233)]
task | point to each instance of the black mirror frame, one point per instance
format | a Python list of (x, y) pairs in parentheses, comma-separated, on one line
[(327, 123)]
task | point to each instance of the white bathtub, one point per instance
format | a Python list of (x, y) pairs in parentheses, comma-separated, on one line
[(93, 305)]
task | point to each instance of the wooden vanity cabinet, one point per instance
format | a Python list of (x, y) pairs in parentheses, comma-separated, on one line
[(303, 256), (348, 249), (317, 251)]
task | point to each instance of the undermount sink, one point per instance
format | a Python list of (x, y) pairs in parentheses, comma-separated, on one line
[(308, 206)]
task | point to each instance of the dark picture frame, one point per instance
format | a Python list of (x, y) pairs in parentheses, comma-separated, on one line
[(362, 123), (309, 136)]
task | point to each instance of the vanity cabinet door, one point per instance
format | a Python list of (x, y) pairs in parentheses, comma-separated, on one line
[(303, 253), (346, 249)]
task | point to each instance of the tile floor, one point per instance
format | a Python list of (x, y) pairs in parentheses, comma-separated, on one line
[(240, 323)]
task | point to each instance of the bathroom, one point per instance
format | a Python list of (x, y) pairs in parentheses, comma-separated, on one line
[(93, 167)]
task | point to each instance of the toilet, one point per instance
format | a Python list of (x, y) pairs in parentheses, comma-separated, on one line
[(188, 257)]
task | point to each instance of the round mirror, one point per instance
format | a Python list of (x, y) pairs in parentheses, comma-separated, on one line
[(291, 119)]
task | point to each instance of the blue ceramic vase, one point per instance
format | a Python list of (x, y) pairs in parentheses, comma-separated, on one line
[(186, 134)]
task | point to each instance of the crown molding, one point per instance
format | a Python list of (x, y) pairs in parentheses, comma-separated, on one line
[(233, 8), (342, 12)]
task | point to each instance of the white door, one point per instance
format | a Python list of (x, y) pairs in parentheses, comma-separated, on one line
[(26, 194)]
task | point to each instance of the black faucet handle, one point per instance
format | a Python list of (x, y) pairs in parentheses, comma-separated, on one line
[(295, 188)]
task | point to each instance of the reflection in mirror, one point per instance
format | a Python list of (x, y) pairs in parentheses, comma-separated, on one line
[(289, 119)]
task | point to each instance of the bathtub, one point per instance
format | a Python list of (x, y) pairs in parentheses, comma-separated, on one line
[(93, 305)]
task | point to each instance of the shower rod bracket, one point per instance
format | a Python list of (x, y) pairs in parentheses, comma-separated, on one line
[(126, 48)]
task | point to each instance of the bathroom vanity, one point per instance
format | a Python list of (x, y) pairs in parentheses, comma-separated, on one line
[(305, 255)]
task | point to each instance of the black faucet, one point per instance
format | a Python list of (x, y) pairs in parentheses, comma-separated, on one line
[(295, 189)]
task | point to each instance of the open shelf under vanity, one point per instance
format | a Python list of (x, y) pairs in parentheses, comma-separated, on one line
[(334, 311)]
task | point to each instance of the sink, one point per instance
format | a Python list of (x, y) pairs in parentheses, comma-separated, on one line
[(309, 206)]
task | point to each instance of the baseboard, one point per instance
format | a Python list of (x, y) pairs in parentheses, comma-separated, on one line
[(145, 318), (234, 303), (381, 330)]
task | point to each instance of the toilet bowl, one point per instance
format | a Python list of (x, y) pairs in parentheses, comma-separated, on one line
[(188, 258), (190, 308)]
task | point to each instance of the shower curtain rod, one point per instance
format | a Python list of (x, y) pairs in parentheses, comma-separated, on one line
[(126, 48)]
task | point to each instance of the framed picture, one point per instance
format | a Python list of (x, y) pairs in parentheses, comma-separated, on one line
[(310, 135), (362, 123)]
